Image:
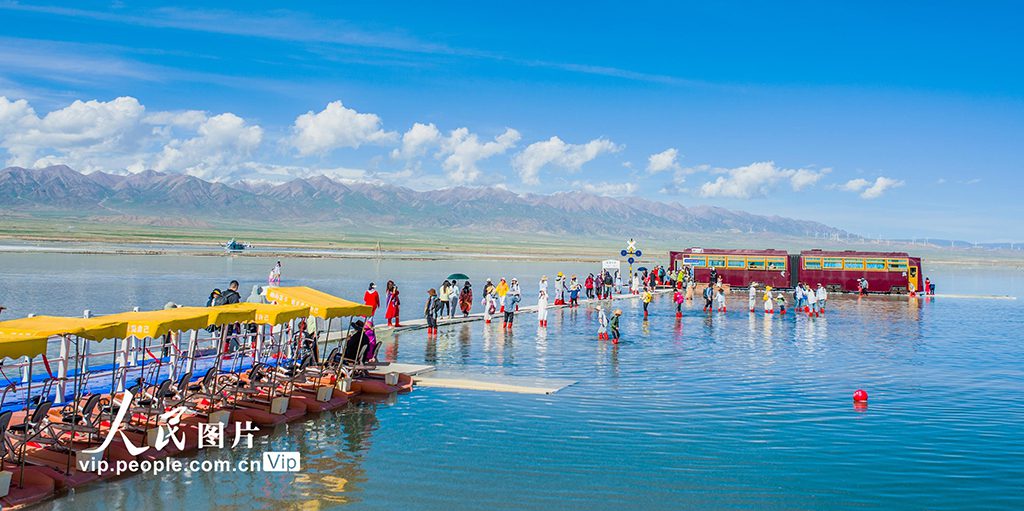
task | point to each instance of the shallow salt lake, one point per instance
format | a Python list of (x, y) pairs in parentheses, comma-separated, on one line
[(717, 411)]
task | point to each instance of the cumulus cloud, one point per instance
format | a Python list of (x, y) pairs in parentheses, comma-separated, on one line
[(335, 127), (555, 152), (758, 180), (871, 190), (80, 131), (121, 135), (220, 141), (417, 141), (665, 160), (462, 151)]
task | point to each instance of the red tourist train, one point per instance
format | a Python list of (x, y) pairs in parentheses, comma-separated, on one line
[(886, 272)]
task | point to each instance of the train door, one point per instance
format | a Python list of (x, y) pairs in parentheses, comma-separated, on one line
[(912, 281)]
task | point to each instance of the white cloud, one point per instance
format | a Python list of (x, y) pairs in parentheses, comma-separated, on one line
[(121, 135), (417, 141), (554, 151), (221, 141), (855, 185), (665, 160), (462, 151), (804, 178), (758, 180), (335, 127), (879, 187), (84, 131), (871, 190)]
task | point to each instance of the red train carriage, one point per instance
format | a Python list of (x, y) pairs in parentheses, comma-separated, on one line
[(886, 272), (738, 268)]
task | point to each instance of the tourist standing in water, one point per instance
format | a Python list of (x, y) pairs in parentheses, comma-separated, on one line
[(430, 310), (780, 301), (679, 298), (502, 291), (511, 302), (613, 326), (769, 304), (514, 290), (812, 301), (720, 298), (371, 298), (602, 324), (466, 299), (490, 302), (709, 296), (822, 297), (752, 296), (392, 303), (542, 301)]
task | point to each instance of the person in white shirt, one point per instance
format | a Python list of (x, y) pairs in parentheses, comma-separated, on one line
[(602, 324), (752, 296), (453, 299), (542, 301), (822, 297), (812, 302)]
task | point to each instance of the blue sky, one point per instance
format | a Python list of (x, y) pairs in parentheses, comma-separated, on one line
[(887, 120)]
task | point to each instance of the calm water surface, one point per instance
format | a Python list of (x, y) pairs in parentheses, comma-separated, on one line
[(707, 412)]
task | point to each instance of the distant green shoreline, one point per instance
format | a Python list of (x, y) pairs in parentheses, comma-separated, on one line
[(157, 241)]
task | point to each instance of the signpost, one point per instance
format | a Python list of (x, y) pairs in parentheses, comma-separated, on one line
[(631, 253)]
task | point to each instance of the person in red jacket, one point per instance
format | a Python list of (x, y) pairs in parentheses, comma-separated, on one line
[(372, 299)]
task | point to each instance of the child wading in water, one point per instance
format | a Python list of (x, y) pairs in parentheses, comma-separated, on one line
[(602, 324), (614, 325), (781, 302), (679, 298)]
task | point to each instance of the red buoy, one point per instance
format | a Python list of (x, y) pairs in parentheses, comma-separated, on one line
[(860, 396)]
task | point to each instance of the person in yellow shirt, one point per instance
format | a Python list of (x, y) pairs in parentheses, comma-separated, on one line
[(502, 290), (647, 297)]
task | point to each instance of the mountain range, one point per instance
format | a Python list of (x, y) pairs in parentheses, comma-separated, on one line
[(149, 195)]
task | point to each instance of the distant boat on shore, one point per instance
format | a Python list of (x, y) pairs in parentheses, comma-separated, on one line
[(234, 246)]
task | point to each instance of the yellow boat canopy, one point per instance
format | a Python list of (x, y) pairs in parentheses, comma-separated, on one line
[(227, 314), (320, 304), (262, 313), (159, 322), (28, 336), (273, 314)]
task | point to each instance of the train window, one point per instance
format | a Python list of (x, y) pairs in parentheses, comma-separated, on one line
[(874, 264), (832, 263), (812, 263), (853, 264), (755, 263), (717, 262), (898, 264), (737, 262), (696, 262), (776, 264)]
